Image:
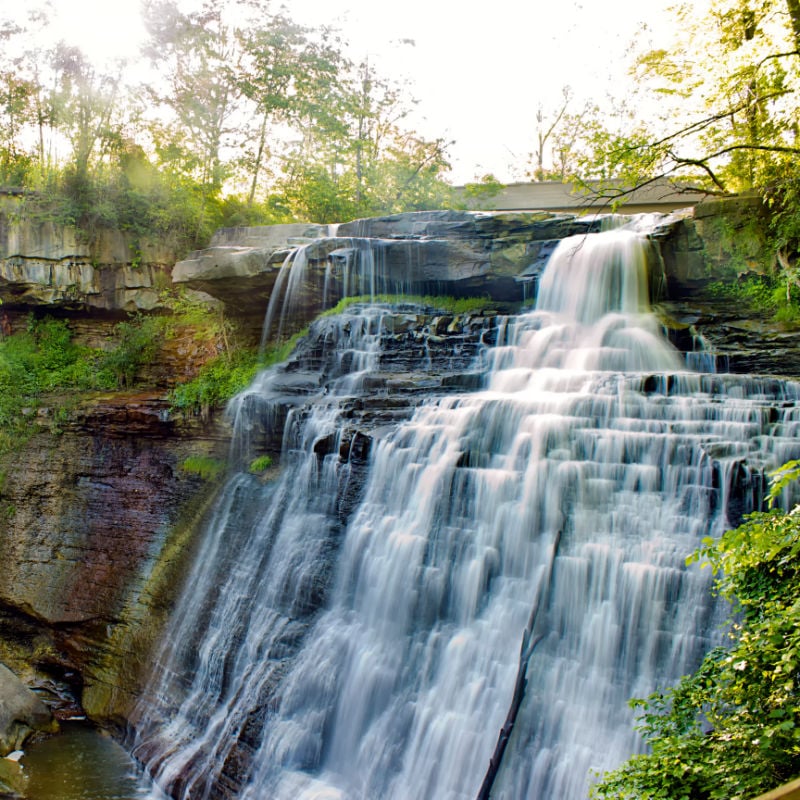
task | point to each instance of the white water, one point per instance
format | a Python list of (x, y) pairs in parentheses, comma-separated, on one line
[(357, 267), (583, 474)]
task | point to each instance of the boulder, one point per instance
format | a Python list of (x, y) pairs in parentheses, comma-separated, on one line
[(21, 712)]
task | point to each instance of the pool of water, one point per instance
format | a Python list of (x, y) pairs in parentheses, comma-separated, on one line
[(83, 763)]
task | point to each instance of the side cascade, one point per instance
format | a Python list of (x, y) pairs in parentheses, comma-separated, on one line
[(509, 558), (354, 266)]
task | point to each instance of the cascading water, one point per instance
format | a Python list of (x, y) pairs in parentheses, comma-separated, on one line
[(354, 266), (363, 638)]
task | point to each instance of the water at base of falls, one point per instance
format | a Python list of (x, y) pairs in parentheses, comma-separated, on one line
[(83, 763), (353, 629)]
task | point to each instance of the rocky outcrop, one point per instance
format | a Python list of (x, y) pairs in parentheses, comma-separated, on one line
[(94, 504), (46, 264), (717, 240), (427, 252), (720, 244), (87, 514), (36, 282), (21, 713)]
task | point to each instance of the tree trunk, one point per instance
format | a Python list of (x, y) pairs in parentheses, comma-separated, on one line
[(262, 140)]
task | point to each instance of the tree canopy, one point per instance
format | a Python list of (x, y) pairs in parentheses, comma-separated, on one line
[(245, 117), (715, 107)]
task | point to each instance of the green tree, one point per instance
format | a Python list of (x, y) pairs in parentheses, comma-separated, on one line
[(726, 94), (87, 105), (723, 100), (284, 72), (356, 157), (26, 98), (547, 128), (16, 112), (200, 55)]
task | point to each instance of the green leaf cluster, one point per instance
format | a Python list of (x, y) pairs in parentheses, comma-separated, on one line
[(228, 374), (759, 294), (138, 341), (216, 383), (205, 467), (731, 730), (42, 359), (260, 464)]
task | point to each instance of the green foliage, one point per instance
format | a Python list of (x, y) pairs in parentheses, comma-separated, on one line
[(260, 464), (228, 374), (218, 381), (479, 194), (40, 360), (759, 294), (444, 303), (722, 95), (782, 477), (250, 119), (207, 322), (205, 467), (139, 339), (731, 730), (355, 159)]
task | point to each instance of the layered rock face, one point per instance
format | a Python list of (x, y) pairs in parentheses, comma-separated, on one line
[(425, 253), (88, 512), (44, 264), (722, 243), (97, 514)]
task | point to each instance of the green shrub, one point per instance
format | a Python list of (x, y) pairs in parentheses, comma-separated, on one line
[(139, 339), (204, 466), (260, 464), (218, 381), (759, 294), (40, 360), (228, 374)]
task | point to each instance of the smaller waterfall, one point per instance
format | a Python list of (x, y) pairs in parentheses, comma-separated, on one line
[(574, 287), (288, 285), (352, 629), (353, 267)]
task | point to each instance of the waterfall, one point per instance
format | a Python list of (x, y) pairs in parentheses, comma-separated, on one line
[(353, 628), (354, 265)]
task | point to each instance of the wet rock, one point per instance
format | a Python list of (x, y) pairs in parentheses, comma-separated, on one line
[(21, 713), (13, 780), (458, 253)]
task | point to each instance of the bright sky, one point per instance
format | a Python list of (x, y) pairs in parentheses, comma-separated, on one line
[(479, 70)]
